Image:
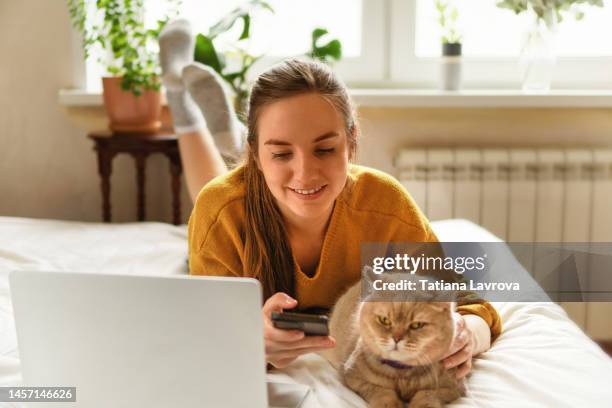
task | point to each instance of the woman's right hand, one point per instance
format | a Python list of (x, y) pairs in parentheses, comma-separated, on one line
[(284, 346)]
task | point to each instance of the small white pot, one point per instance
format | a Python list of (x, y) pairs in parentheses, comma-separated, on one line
[(450, 67)]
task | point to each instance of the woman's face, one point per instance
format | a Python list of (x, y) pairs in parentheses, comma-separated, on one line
[(303, 154)]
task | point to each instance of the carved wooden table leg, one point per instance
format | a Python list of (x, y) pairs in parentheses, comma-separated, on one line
[(105, 168), (139, 146), (141, 161), (175, 172)]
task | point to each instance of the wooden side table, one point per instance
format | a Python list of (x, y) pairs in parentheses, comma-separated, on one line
[(139, 146)]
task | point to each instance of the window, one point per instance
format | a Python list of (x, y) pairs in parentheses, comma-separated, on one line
[(395, 43), (491, 39), (287, 32), (489, 31)]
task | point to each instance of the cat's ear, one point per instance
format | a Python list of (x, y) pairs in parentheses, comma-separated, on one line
[(368, 276)]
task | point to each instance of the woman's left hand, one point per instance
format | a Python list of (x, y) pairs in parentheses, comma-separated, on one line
[(461, 349)]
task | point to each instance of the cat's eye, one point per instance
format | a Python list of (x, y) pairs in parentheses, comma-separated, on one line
[(416, 325), (384, 320)]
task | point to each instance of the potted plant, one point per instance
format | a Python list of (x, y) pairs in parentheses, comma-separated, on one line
[(538, 55), (236, 72), (131, 94), (450, 69)]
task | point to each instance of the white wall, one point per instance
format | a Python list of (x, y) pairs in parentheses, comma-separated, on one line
[(48, 168)]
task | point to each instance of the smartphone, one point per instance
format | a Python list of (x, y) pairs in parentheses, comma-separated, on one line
[(310, 324)]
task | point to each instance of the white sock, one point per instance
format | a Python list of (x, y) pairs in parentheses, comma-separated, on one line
[(208, 91), (176, 46)]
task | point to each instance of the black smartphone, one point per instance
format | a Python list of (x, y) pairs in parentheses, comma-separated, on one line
[(310, 324)]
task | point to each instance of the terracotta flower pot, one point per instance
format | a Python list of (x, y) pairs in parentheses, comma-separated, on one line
[(129, 113)]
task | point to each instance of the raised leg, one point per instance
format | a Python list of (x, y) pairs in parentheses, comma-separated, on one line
[(200, 156), (200, 159)]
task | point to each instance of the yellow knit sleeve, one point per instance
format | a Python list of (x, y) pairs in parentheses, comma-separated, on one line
[(215, 242), (487, 312), (214, 257), (211, 263)]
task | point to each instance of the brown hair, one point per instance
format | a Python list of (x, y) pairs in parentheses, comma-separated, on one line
[(267, 249)]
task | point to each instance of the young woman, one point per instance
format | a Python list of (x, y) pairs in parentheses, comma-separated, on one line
[(294, 214)]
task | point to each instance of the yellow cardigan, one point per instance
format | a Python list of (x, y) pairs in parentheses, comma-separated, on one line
[(373, 207)]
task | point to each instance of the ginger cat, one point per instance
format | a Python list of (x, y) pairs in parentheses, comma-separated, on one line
[(389, 352)]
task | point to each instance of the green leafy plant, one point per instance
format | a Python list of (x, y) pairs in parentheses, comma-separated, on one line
[(447, 19), (549, 10), (117, 27), (207, 53), (327, 52)]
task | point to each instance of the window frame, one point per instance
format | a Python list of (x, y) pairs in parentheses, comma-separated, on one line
[(388, 59), (408, 70)]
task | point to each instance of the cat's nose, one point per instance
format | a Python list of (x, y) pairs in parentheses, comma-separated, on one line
[(397, 338)]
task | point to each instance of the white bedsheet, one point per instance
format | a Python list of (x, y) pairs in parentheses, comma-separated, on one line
[(542, 359)]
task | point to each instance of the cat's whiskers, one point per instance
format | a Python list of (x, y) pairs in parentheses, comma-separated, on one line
[(410, 345), (385, 343)]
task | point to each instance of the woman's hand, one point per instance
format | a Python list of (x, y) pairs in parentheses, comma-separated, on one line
[(284, 346), (461, 349)]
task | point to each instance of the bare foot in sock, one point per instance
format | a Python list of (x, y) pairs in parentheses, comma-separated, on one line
[(208, 91), (176, 47)]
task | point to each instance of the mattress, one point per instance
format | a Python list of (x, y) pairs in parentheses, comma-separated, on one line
[(542, 359)]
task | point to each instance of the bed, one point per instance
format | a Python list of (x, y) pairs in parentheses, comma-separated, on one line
[(542, 359)]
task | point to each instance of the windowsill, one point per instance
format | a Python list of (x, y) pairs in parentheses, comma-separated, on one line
[(427, 98)]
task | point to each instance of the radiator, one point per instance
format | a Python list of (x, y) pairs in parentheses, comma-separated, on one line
[(521, 195)]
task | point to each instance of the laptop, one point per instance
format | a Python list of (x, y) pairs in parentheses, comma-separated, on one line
[(145, 341)]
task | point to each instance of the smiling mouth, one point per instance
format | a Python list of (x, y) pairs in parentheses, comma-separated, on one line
[(308, 191)]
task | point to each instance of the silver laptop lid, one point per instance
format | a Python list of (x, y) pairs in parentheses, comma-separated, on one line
[(142, 341)]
